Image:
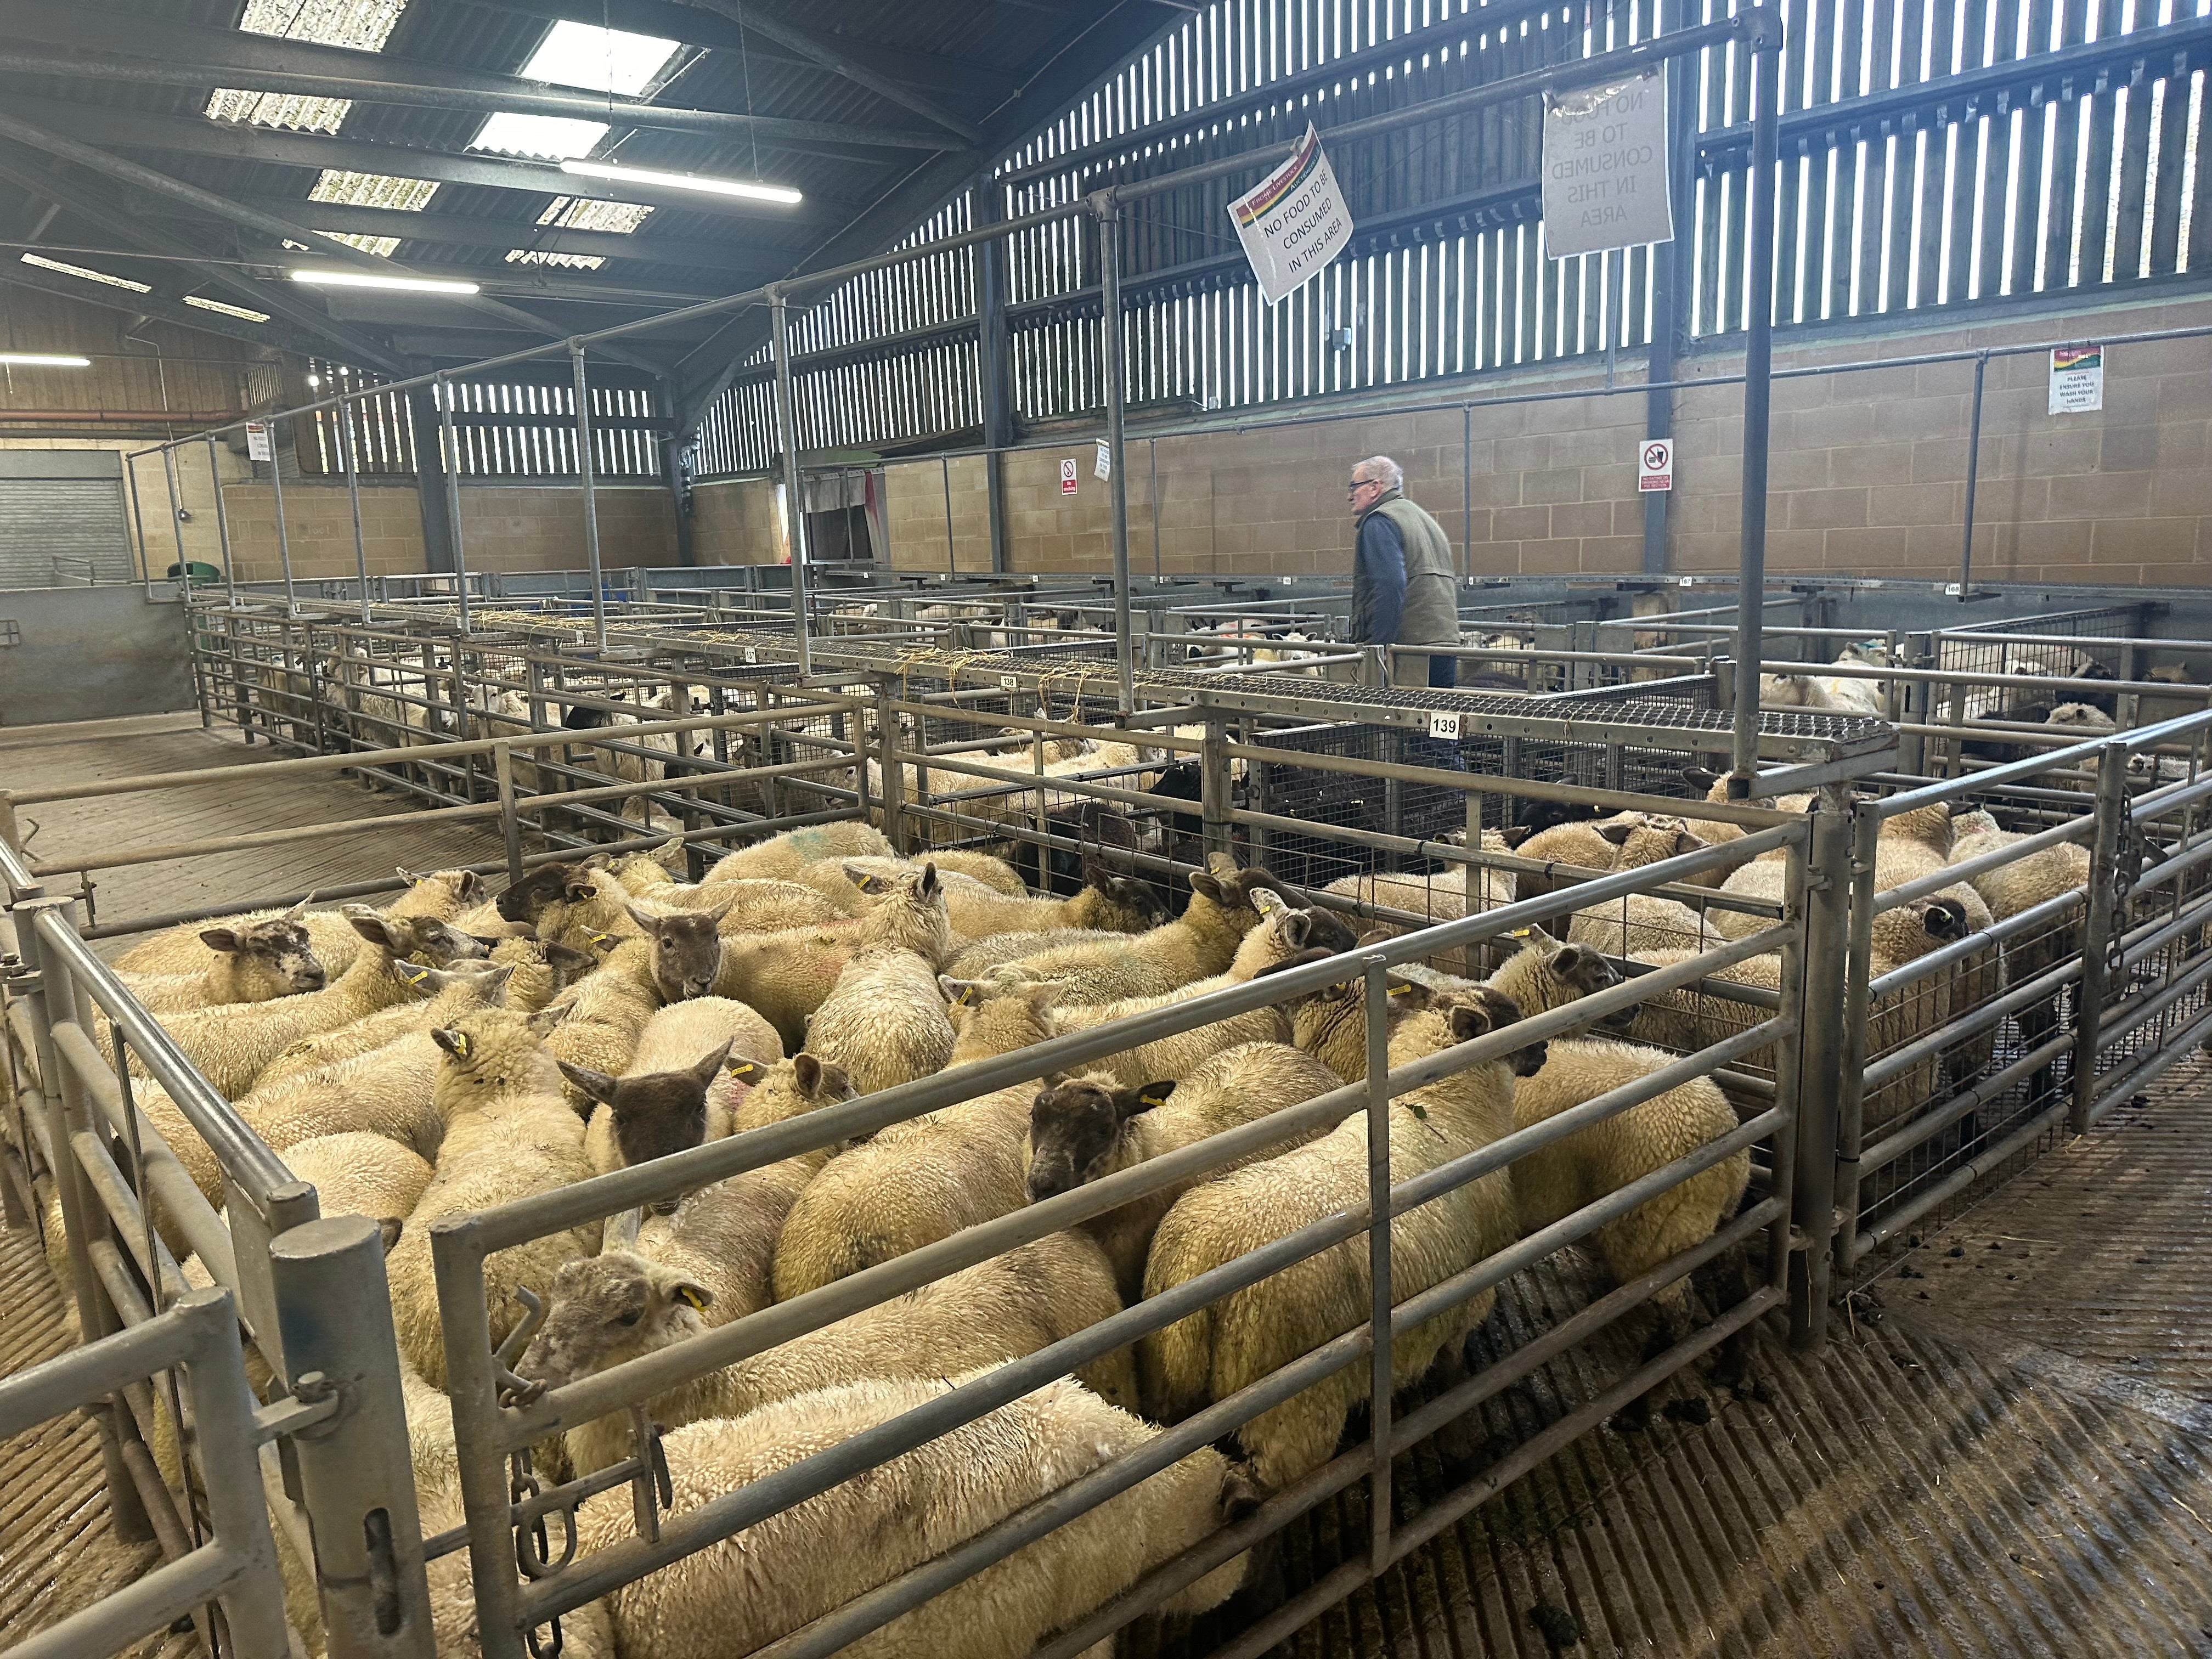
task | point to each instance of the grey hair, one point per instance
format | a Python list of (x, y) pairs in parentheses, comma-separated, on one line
[(1386, 471)]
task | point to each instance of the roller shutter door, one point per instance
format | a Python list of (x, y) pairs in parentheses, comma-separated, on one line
[(65, 505)]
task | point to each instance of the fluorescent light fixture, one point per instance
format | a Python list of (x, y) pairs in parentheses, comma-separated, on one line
[(370, 279), (43, 359), (227, 309), (45, 264), (744, 187)]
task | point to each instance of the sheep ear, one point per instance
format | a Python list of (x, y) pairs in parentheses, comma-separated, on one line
[(1408, 996), (1616, 831), (1267, 901), (644, 918), (388, 1231), (1221, 864), (926, 886), (405, 874), (1298, 928), (543, 1022), (221, 938), (597, 1085), (1042, 998), (961, 993), (716, 912), (1517, 834), (560, 955), (711, 1067), (1241, 1492), (299, 912), (455, 1043), (471, 883), (1568, 958), (1688, 841), (1207, 887), (859, 878), (423, 981), (807, 1070), (746, 1070), (1144, 1098), (1469, 1024), (691, 1293), (579, 887), (377, 931)]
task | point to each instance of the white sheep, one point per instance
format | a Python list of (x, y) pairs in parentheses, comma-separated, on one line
[(737, 1595), (782, 857), (975, 961), (787, 975), (255, 962), (624, 1303), (437, 897), (912, 1183), (1087, 1129), (1213, 1353), (508, 1135), (884, 1022), (1200, 943)]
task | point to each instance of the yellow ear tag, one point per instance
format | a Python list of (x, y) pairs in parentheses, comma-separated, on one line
[(866, 883), (967, 995), (1520, 933), (460, 1045), (597, 937), (1397, 990), (742, 1068), (1152, 1100), (690, 1298), (415, 976)]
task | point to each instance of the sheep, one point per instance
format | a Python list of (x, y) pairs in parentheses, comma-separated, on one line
[(1199, 944), (622, 1303), (1211, 1354), (1554, 1181), (1438, 897), (739, 1595), (1627, 841), (656, 1106), (993, 872), (357, 1173), (1087, 1129), (780, 858), (884, 1022), (437, 897), (912, 1183), (1105, 904), (257, 963), (787, 975), (508, 1133), (975, 961), (1284, 933), (1541, 975), (2011, 888), (231, 1044), (1642, 921), (605, 1014)]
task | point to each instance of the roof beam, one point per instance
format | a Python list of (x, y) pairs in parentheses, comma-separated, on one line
[(115, 167), (364, 350), (189, 135), (192, 55), (736, 265), (830, 53), (668, 20), (271, 333)]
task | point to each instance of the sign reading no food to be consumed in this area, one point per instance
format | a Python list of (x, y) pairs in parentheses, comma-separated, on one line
[(1293, 222), (1605, 167), (1654, 464)]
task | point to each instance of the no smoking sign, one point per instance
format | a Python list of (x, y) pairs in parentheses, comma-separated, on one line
[(1654, 464)]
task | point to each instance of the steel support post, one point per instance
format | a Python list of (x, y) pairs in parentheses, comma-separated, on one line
[(951, 555), (2108, 881), (138, 522), (587, 476), (1851, 1040), (472, 1383), (672, 475), (1213, 788), (1973, 476), (1758, 372), (1378, 1264), (84, 1217), (353, 502), (894, 767), (1666, 288), (1466, 492), (1790, 1064), (221, 523), (176, 516), (428, 421), (1117, 486), (1827, 922), (276, 492), (510, 826), (794, 504), (450, 466), (357, 1480), (992, 362)]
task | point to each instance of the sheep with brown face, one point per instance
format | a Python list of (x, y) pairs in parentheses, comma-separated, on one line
[(648, 1115), (255, 962)]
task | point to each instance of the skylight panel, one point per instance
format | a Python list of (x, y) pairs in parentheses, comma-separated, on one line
[(363, 25), (372, 189), (598, 60), (579, 213), (576, 55), (45, 264), (542, 138), (227, 309)]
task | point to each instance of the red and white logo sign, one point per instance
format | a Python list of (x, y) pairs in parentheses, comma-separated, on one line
[(1067, 477), (1654, 464)]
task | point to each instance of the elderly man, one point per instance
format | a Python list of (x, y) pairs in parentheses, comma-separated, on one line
[(1402, 585)]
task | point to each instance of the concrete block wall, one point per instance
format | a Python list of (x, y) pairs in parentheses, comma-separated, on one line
[(735, 522), (195, 485), (1867, 472)]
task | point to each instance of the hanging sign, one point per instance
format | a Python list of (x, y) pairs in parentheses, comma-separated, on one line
[(258, 447), (1103, 466), (1067, 477), (2077, 379), (1293, 222), (1654, 464), (1605, 166)]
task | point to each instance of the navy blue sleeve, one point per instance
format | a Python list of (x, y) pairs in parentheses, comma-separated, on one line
[(1382, 562)]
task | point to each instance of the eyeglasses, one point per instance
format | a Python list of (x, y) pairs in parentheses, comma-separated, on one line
[(1359, 484)]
